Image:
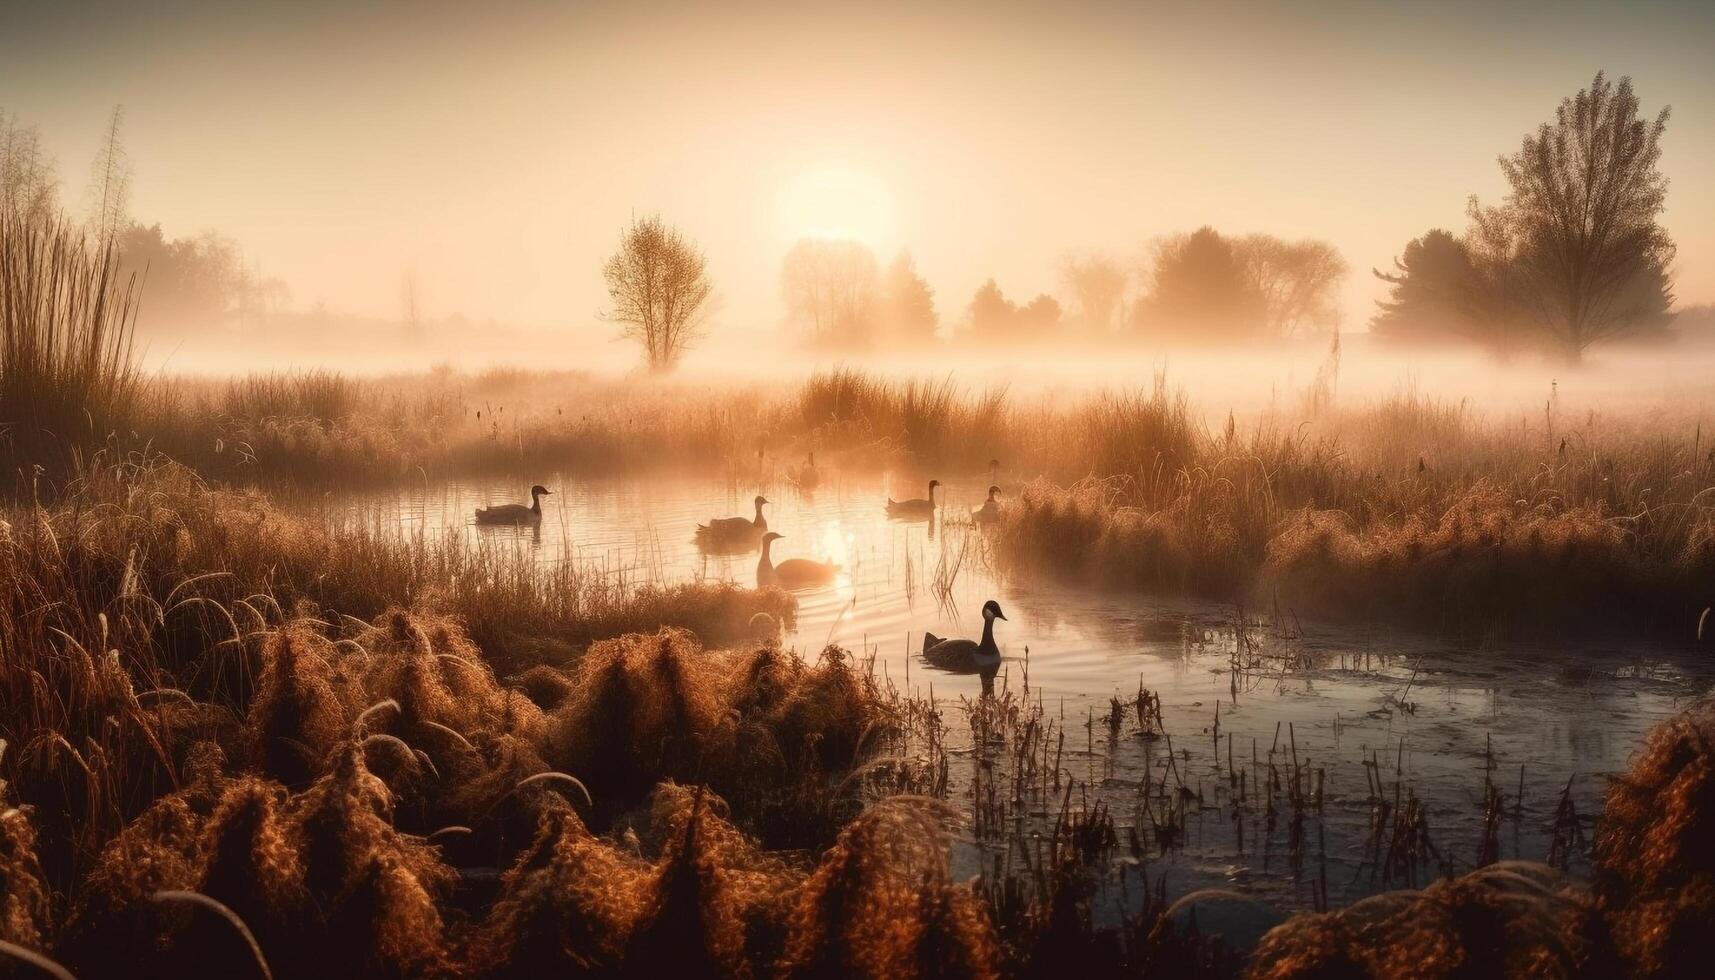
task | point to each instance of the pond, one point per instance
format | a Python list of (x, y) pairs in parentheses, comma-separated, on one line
[(1377, 723)]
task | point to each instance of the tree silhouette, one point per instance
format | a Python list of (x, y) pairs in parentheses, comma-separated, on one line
[(1039, 319), (1589, 258), (1433, 292), (830, 287), (193, 283), (1199, 289), (993, 316), (660, 290), (908, 304), (1098, 285), (1291, 283)]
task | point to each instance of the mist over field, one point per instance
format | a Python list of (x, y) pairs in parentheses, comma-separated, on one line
[(874, 490)]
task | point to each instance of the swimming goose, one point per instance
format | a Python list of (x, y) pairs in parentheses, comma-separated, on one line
[(806, 476), (989, 512), (793, 573), (967, 656), (515, 513), (917, 509), (735, 528)]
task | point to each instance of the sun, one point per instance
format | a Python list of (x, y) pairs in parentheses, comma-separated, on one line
[(837, 202)]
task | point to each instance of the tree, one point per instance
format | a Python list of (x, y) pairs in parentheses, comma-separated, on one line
[(993, 316), (1291, 283), (831, 289), (1579, 222), (191, 283), (1495, 297), (1039, 318), (1433, 292), (908, 304), (1097, 282), (660, 289), (110, 183), (1199, 289)]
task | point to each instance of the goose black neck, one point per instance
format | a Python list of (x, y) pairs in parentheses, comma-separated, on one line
[(535, 502), (765, 561), (988, 633)]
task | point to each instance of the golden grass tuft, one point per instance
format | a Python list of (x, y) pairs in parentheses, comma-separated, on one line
[(1655, 848), (1512, 919), (881, 903), (25, 905), (296, 716), (565, 907)]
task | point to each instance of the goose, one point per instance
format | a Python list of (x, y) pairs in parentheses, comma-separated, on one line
[(515, 513), (793, 573), (915, 509), (735, 528), (989, 512), (806, 476), (967, 656)]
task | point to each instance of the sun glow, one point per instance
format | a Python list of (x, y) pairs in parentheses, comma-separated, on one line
[(836, 546), (837, 202)]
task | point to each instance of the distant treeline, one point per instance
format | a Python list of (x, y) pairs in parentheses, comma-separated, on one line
[(1572, 256), (1203, 286)]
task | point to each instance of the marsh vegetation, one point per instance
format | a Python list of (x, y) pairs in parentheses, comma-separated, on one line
[(435, 751), (1314, 671)]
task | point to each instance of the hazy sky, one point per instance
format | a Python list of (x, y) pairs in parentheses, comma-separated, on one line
[(497, 149)]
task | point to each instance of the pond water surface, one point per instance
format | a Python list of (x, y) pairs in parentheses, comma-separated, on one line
[(1433, 721)]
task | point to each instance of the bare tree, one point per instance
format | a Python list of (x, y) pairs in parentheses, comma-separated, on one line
[(832, 289), (1097, 282), (660, 288), (110, 183), (1293, 282), (1580, 217)]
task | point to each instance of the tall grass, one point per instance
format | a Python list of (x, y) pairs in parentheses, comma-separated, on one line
[(1406, 507), (1409, 509), (323, 396), (67, 378), (921, 420)]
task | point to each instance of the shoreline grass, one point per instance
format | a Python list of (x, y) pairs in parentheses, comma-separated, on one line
[(1407, 508)]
